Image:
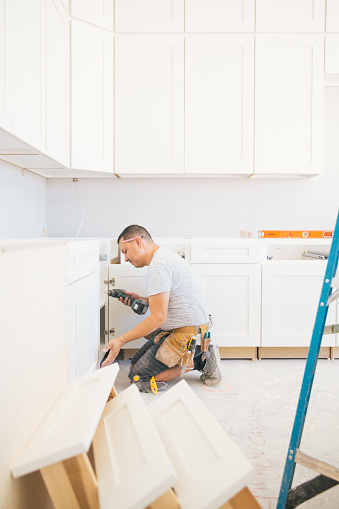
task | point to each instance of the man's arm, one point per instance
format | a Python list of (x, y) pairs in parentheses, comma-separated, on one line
[(158, 305)]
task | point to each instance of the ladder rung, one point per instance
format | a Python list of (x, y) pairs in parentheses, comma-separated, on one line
[(317, 465), (331, 329), (333, 297)]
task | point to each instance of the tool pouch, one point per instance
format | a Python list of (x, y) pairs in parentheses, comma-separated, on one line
[(173, 350), (205, 341)]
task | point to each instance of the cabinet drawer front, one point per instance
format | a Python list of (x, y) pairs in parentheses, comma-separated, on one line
[(290, 16), (224, 252), (149, 16)]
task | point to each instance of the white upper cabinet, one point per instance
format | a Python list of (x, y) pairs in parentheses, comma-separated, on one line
[(5, 116), (92, 97), (290, 15), (57, 83), (149, 15), (25, 69), (96, 12), (219, 15), (219, 109), (332, 16), (149, 104), (289, 104)]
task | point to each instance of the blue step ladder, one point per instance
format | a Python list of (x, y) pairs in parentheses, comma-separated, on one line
[(329, 476)]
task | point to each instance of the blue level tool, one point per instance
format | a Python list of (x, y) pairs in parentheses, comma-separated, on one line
[(288, 498)]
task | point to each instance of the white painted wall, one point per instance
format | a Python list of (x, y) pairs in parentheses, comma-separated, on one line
[(23, 207), (201, 207)]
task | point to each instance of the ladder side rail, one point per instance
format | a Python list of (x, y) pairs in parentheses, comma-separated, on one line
[(310, 368)]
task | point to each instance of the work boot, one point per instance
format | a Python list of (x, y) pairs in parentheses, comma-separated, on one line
[(146, 386), (212, 374)]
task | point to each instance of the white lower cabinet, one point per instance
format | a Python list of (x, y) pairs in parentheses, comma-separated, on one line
[(121, 317), (290, 298), (83, 325), (83, 307), (233, 297)]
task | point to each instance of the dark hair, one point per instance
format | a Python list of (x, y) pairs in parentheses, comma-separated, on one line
[(134, 230)]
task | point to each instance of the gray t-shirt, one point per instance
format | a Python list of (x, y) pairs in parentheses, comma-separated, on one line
[(168, 272)]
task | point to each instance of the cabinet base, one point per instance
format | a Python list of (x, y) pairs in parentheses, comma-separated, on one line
[(292, 352)]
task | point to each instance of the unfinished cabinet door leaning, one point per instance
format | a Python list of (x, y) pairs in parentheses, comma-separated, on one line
[(149, 104), (289, 105), (219, 110), (290, 296)]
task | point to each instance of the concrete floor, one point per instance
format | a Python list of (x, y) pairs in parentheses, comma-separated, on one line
[(256, 404)]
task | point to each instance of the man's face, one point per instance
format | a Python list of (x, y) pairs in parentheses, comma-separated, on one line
[(133, 250)]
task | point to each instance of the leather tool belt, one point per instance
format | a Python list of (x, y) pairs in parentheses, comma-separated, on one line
[(174, 349)]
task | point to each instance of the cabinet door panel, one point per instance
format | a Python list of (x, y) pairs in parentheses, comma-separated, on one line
[(219, 15), (290, 16), (289, 104), (92, 98), (96, 12), (57, 83), (149, 104), (121, 317), (25, 35), (233, 295), (332, 16), (149, 16), (83, 313), (291, 293), (219, 104)]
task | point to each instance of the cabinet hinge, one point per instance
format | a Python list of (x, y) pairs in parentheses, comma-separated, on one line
[(110, 282), (112, 331)]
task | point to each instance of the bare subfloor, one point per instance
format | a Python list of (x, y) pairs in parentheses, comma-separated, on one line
[(256, 404)]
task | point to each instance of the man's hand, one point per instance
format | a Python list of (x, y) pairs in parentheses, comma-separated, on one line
[(127, 300), (114, 346)]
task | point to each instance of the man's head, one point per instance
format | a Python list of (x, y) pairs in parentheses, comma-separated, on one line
[(136, 245)]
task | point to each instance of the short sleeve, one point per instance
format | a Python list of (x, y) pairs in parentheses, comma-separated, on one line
[(159, 279)]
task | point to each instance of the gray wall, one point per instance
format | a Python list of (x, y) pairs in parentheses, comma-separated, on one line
[(23, 203), (201, 207)]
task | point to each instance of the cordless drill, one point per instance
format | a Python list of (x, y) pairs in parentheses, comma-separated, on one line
[(139, 306)]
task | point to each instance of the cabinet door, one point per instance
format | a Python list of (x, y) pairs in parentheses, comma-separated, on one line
[(121, 317), (332, 16), (233, 297), (149, 104), (5, 116), (57, 82), (290, 298), (96, 12), (290, 16), (219, 15), (219, 115), (83, 325), (25, 75), (92, 98), (289, 104), (149, 16)]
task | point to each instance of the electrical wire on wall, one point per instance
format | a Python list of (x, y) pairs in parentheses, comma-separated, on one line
[(82, 206)]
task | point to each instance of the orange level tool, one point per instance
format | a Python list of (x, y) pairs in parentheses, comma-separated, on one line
[(295, 234)]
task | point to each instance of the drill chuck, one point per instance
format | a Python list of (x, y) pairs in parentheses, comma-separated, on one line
[(139, 306)]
